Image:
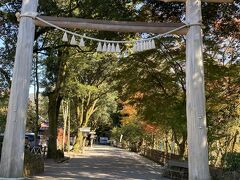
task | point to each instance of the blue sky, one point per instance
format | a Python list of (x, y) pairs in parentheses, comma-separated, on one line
[(31, 88)]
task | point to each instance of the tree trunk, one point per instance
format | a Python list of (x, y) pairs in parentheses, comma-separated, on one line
[(65, 116), (234, 140), (84, 111), (36, 99), (64, 133), (182, 146), (84, 144), (53, 112), (153, 140), (166, 146), (54, 106), (79, 142), (79, 116), (68, 139)]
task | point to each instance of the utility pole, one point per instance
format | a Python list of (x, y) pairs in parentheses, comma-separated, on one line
[(14, 137)]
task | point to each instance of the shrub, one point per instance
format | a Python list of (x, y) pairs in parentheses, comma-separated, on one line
[(33, 164), (232, 161)]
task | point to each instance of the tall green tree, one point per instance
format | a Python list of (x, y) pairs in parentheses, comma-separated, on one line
[(52, 42), (87, 86)]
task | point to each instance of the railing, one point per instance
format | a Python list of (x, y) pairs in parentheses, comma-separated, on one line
[(159, 156), (38, 150)]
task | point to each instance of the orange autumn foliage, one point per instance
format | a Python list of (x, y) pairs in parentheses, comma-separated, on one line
[(129, 114)]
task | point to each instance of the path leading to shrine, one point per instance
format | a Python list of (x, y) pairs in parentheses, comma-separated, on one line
[(103, 162)]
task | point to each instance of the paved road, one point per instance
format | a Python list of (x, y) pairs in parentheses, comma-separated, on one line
[(103, 162)]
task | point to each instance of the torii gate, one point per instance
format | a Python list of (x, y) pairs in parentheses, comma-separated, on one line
[(13, 145)]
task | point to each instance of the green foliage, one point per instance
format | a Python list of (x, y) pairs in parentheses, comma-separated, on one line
[(133, 135), (222, 95), (3, 112), (31, 118), (86, 83), (232, 161), (116, 133), (8, 37), (154, 80)]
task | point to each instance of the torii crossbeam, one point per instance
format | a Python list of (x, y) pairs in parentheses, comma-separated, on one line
[(13, 145)]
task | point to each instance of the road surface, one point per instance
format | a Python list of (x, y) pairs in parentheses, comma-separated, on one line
[(103, 162)]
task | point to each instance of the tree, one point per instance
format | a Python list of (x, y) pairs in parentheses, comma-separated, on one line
[(87, 87), (152, 79), (149, 80), (55, 79), (159, 75), (54, 88)]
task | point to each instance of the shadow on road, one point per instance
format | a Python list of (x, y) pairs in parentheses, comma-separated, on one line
[(103, 162)]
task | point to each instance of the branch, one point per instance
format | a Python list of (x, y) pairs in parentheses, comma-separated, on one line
[(6, 76)]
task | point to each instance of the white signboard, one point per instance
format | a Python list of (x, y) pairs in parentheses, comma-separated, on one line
[(85, 129)]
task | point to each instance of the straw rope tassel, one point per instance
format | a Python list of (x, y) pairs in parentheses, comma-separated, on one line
[(109, 47), (147, 45), (99, 47), (153, 44), (118, 50), (73, 41), (150, 44), (138, 46), (82, 43), (141, 46), (126, 53), (113, 49), (104, 49), (65, 38), (144, 45)]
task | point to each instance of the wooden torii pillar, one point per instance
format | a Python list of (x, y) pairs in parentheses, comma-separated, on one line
[(198, 166), (14, 136), (13, 145)]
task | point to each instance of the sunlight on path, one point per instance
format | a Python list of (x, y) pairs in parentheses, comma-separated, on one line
[(103, 162)]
